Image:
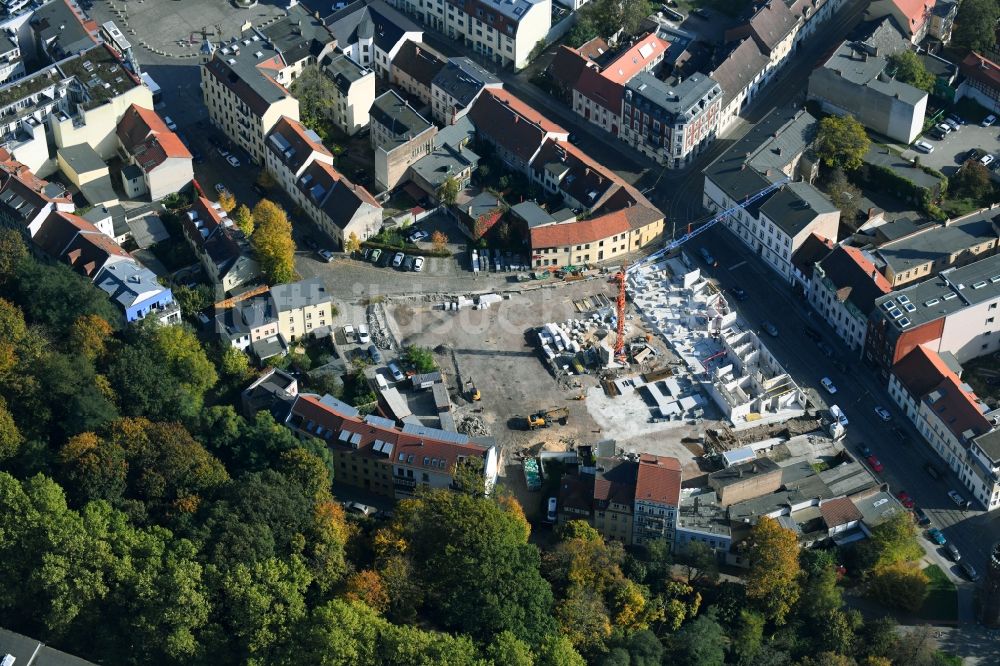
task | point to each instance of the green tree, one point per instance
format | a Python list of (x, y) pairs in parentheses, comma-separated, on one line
[(509, 650), (272, 240), (244, 219), (748, 636), (421, 358), (447, 193), (54, 296), (973, 181), (556, 650), (317, 96), (13, 252), (843, 193), (473, 559), (910, 69), (10, 435), (975, 25), (13, 329), (234, 364), (820, 594), (227, 201), (700, 562), (192, 300), (894, 541), (774, 569), (700, 643), (841, 142), (89, 335)]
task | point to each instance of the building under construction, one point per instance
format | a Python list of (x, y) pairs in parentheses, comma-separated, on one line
[(719, 350)]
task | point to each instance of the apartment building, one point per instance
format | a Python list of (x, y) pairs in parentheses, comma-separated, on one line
[(355, 86), (954, 312), (741, 76), (250, 324), (337, 206), (373, 453), (779, 224), (147, 143), (245, 83), (11, 62), (371, 33), (854, 81), (414, 68), (657, 499), (291, 147), (301, 308), (932, 249), (26, 200), (844, 287), (399, 136), (951, 418), (504, 31), (670, 121), (222, 248), (137, 292), (515, 130), (599, 86), (456, 87)]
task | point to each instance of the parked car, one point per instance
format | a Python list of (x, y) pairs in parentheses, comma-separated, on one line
[(220, 188), (363, 336), (360, 509), (924, 147), (707, 256), (171, 125), (672, 13), (935, 133), (864, 450), (943, 127), (974, 154), (876, 464), (702, 13), (954, 122), (259, 189), (935, 535), (828, 385), (825, 348), (397, 374), (969, 571), (327, 255), (812, 333), (933, 471), (233, 160), (988, 120), (905, 499), (771, 329), (407, 263), (953, 552), (957, 499), (397, 260), (922, 518), (376, 253), (837, 413), (418, 264), (418, 235), (901, 435), (374, 354), (986, 160), (883, 413), (222, 150), (349, 333), (738, 293), (550, 515)]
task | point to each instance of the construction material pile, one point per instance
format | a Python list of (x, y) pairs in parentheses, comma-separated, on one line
[(473, 426)]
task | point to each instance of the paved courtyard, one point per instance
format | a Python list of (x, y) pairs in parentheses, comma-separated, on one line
[(175, 28), (950, 152)]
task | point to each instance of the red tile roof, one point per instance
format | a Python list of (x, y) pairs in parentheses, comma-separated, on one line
[(915, 11), (90, 251), (297, 136), (579, 232), (920, 371), (979, 68), (146, 137), (566, 66), (839, 511), (658, 480), (957, 408), (855, 277), (422, 451), (636, 58), (58, 230)]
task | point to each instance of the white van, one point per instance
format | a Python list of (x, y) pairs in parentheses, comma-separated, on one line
[(837, 413), (382, 382)]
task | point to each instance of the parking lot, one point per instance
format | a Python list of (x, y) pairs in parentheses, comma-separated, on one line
[(951, 152)]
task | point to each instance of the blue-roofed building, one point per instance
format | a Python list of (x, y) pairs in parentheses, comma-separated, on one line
[(135, 289)]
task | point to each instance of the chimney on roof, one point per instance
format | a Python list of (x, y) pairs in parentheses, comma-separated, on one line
[(874, 274)]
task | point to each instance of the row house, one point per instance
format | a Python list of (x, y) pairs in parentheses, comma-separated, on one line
[(371, 33), (291, 147), (954, 312), (373, 453), (913, 17), (355, 92), (634, 501), (951, 418), (339, 207), (599, 84), (505, 31), (456, 87), (515, 130), (844, 287), (267, 324), (981, 81), (671, 121), (414, 68), (224, 251)]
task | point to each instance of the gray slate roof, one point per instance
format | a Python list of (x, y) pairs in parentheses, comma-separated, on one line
[(795, 206), (940, 242), (463, 79), (299, 294)]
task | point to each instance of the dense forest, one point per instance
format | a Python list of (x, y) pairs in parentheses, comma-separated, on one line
[(145, 521)]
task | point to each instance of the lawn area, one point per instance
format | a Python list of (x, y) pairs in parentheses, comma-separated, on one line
[(942, 601)]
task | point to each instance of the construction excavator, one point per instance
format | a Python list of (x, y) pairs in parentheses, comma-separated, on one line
[(546, 417)]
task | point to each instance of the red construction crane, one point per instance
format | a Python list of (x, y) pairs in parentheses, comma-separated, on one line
[(620, 312)]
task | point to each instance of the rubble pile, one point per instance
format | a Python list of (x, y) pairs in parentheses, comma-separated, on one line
[(380, 338), (473, 426)]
